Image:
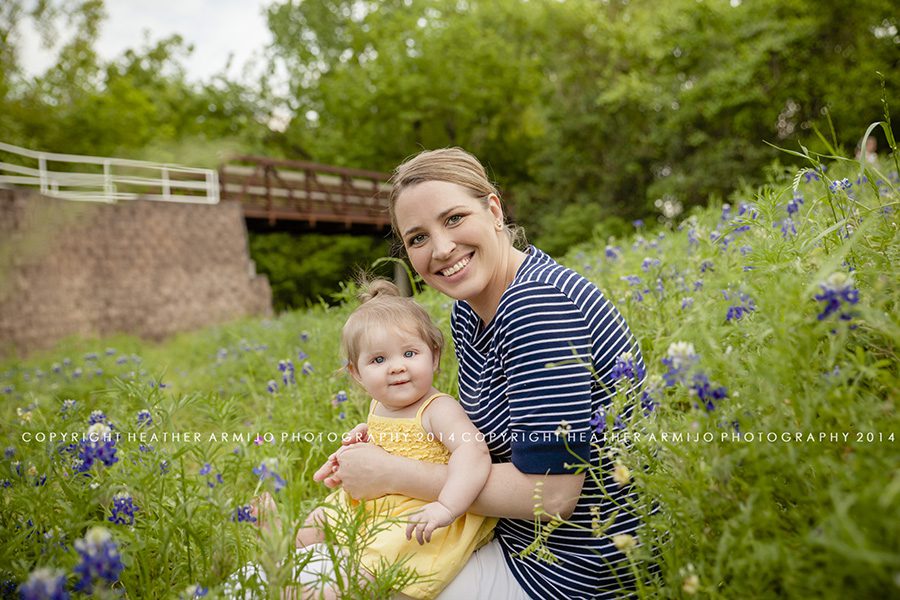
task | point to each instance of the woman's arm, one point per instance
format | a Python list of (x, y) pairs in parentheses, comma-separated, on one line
[(367, 471)]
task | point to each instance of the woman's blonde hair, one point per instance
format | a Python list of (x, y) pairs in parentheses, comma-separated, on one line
[(453, 165), (382, 305)]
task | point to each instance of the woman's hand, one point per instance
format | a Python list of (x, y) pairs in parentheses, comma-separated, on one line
[(364, 470), (326, 473)]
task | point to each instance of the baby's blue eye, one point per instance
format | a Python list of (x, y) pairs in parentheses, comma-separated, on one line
[(409, 354), (378, 360)]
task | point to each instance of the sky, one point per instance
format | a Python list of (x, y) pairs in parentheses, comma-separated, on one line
[(215, 28)]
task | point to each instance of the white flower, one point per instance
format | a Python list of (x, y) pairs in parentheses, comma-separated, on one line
[(682, 354), (624, 542), (621, 474), (691, 584)]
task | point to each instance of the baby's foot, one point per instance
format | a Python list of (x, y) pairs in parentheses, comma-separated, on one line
[(266, 512)]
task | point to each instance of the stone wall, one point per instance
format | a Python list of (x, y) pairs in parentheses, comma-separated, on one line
[(139, 267)]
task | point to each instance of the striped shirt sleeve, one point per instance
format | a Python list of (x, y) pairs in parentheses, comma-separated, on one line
[(546, 354)]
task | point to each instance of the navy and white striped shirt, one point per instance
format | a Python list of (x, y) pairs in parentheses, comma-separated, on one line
[(545, 358)]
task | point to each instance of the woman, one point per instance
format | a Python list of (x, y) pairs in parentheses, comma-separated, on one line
[(536, 344)]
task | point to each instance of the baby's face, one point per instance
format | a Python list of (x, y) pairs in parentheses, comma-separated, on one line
[(396, 367)]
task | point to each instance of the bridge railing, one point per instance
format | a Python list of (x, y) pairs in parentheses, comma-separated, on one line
[(276, 189), (98, 179)]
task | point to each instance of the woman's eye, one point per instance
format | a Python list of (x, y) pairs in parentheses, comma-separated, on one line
[(453, 219), (416, 240)]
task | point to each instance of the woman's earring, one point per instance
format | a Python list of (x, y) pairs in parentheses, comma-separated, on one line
[(498, 224)]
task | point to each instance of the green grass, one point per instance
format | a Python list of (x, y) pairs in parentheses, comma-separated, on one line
[(816, 517)]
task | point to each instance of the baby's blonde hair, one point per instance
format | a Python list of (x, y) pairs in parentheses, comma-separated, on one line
[(382, 305)]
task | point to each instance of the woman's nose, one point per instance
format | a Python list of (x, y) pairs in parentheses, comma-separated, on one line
[(442, 246)]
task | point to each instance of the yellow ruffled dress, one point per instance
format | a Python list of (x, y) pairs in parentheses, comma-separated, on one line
[(439, 560)]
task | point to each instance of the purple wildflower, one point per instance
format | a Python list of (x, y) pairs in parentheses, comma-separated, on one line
[(287, 371), (649, 263), (638, 223), (708, 393), (680, 357), (613, 252), (100, 446), (195, 591), (632, 280), (687, 302), (707, 265), (272, 387), (626, 368), (267, 470), (144, 418), (840, 185), (123, 509), (598, 421), (242, 515), (307, 368), (44, 584), (302, 355), (100, 560), (339, 398), (206, 470), (737, 311), (836, 290), (788, 227), (793, 205)]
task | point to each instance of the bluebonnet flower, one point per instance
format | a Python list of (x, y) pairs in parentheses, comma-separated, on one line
[(164, 467), (100, 560), (206, 470), (90, 356), (708, 393), (632, 280), (793, 205), (194, 591), (242, 514), (745, 250), (737, 311), (144, 418), (638, 223), (100, 446), (67, 362), (144, 448), (121, 360), (123, 509), (5, 483), (8, 389), (613, 252), (272, 387), (598, 421), (649, 263), (267, 470), (302, 355), (707, 265), (97, 416), (687, 302), (110, 351), (715, 235), (837, 290), (287, 371), (788, 227), (9, 452), (692, 237), (650, 394), (307, 368), (680, 357), (77, 373), (726, 211), (626, 368), (304, 336), (747, 208), (222, 354), (56, 368), (840, 185), (339, 398), (98, 373), (698, 285), (44, 584)]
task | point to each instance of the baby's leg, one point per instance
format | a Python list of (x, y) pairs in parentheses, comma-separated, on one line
[(311, 532)]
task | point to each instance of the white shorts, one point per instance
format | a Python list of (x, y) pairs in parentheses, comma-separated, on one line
[(486, 576)]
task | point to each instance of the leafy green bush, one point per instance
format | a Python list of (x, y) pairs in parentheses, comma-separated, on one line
[(305, 268)]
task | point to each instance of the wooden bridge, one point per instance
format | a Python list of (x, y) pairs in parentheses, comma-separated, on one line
[(285, 190), (270, 190)]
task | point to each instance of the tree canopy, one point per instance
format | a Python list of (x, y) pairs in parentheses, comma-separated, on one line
[(616, 106)]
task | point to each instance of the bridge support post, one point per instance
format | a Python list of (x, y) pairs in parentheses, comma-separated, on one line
[(401, 279)]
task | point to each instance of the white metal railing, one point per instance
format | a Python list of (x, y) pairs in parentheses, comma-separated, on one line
[(107, 179)]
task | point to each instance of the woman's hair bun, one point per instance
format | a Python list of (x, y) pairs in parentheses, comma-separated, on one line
[(369, 290)]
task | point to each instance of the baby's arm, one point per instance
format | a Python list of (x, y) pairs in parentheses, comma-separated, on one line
[(468, 469)]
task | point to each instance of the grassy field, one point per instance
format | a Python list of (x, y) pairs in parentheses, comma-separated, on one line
[(770, 329)]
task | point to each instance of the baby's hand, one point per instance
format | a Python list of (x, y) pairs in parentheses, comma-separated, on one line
[(424, 522)]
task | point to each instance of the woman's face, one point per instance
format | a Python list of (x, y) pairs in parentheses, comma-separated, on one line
[(452, 240)]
